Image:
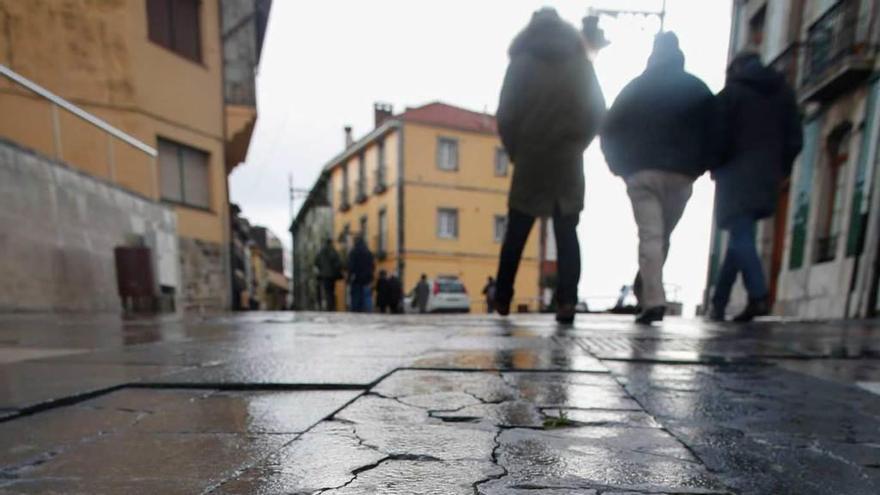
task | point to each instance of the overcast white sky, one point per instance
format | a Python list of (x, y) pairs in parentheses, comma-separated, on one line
[(326, 62)]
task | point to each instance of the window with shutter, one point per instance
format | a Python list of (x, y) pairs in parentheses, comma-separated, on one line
[(175, 25), (184, 174)]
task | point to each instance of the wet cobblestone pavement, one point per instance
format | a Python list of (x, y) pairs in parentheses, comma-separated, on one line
[(275, 403)]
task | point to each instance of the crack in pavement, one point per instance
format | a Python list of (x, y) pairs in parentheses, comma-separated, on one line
[(494, 458)]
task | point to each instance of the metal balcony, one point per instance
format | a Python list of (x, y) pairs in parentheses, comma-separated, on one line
[(838, 53)]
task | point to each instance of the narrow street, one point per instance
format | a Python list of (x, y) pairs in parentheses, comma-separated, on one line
[(310, 403)]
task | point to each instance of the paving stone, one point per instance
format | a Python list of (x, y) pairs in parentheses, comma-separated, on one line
[(480, 387), (375, 409), (31, 383), (248, 412), (440, 441), (195, 461), (504, 414), (598, 417), (599, 458), (404, 477), (571, 390), (325, 457)]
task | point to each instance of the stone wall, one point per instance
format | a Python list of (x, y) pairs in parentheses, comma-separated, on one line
[(58, 229), (205, 286)]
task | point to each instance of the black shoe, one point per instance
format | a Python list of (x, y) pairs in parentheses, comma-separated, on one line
[(651, 315), (755, 308), (716, 315), (565, 314), (502, 306)]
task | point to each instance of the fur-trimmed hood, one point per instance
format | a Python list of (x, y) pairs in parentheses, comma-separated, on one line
[(548, 37)]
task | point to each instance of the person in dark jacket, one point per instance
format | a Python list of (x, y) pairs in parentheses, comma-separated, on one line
[(760, 136), (421, 294), (549, 111), (328, 264), (360, 277), (395, 294), (383, 292), (658, 136), (489, 293)]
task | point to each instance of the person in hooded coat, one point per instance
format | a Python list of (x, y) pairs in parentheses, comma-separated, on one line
[(549, 111), (760, 135), (658, 137)]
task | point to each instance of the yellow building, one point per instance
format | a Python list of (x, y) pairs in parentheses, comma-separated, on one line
[(428, 189), (155, 70)]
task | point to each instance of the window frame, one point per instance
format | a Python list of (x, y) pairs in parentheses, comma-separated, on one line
[(441, 234), (446, 140), (500, 153), (498, 237), (179, 149), (382, 239), (172, 44)]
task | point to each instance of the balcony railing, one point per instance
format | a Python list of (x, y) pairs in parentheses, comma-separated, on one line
[(838, 51), (826, 249), (112, 133), (788, 63)]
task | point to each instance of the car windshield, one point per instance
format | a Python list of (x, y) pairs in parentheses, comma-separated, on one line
[(451, 286)]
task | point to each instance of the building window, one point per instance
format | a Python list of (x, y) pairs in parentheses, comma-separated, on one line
[(175, 25), (362, 179), (183, 173), (502, 163), (831, 197), (381, 168), (756, 29), (365, 235), (447, 154), (447, 223), (343, 193), (382, 243), (499, 227)]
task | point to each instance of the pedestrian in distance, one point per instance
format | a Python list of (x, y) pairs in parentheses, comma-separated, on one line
[(760, 136), (383, 293), (549, 111), (658, 136), (395, 294), (489, 294), (360, 277), (328, 265), (421, 294)]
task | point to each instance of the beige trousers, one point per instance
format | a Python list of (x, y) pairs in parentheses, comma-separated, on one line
[(658, 200)]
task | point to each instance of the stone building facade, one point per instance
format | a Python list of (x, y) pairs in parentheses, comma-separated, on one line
[(821, 249)]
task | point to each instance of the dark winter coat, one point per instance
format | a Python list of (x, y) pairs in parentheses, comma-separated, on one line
[(550, 109), (360, 264), (329, 264), (760, 136), (383, 292), (661, 120)]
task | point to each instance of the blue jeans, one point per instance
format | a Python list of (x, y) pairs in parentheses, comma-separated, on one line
[(361, 298), (741, 256)]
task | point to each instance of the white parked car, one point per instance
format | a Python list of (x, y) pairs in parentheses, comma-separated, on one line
[(447, 295)]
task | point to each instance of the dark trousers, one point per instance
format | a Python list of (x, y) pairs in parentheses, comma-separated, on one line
[(741, 257), (568, 250), (327, 299)]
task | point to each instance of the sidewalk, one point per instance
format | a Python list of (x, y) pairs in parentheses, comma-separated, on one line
[(265, 403)]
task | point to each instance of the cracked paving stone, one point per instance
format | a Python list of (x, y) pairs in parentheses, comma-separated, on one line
[(572, 390), (98, 487), (480, 386), (193, 461), (504, 414), (375, 409), (598, 458), (553, 357), (403, 477), (441, 441), (325, 457), (599, 417), (248, 412)]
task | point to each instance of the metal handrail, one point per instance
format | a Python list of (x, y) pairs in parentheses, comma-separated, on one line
[(79, 112)]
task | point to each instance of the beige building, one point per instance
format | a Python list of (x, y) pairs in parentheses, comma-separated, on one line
[(428, 190), (154, 69)]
